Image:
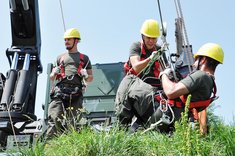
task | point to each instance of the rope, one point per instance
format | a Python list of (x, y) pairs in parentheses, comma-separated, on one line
[(165, 46), (160, 13), (12, 126), (181, 14), (180, 26), (62, 14), (184, 35), (177, 11)]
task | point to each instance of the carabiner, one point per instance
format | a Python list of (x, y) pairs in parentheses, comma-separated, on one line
[(163, 105), (70, 77)]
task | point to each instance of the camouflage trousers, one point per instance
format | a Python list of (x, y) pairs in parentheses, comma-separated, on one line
[(134, 98)]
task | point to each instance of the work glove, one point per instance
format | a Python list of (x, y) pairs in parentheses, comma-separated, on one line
[(168, 72), (55, 71), (152, 55), (84, 73)]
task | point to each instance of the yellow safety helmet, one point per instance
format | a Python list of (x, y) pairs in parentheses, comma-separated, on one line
[(211, 50), (72, 33), (150, 28)]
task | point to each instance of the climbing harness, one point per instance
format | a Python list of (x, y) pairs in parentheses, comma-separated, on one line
[(62, 66), (196, 104), (129, 69), (71, 90)]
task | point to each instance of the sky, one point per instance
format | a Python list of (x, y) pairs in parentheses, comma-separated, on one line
[(108, 28)]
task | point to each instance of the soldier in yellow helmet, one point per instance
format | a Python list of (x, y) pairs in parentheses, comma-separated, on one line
[(135, 92), (142, 52), (200, 83), (70, 72)]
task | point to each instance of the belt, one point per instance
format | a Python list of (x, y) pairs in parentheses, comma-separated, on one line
[(61, 85)]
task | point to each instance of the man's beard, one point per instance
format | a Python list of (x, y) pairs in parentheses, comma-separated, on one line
[(68, 48)]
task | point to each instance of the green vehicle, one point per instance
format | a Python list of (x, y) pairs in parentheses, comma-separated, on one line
[(100, 95)]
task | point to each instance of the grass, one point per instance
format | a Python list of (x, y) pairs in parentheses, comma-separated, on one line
[(117, 142), (185, 141)]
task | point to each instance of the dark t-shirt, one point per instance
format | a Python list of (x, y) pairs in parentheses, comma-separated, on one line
[(71, 62), (199, 84), (135, 50)]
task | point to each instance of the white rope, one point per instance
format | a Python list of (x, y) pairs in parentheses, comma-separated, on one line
[(184, 35), (62, 14), (184, 27), (180, 26), (12, 126)]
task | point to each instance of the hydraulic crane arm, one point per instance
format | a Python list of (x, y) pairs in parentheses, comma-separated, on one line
[(18, 88)]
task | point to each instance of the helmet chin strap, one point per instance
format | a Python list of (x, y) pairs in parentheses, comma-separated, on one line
[(143, 39), (198, 65)]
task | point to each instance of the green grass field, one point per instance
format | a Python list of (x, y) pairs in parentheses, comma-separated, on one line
[(185, 141)]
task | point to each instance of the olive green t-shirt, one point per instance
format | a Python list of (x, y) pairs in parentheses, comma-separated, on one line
[(71, 62), (135, 50), (199, 84)]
